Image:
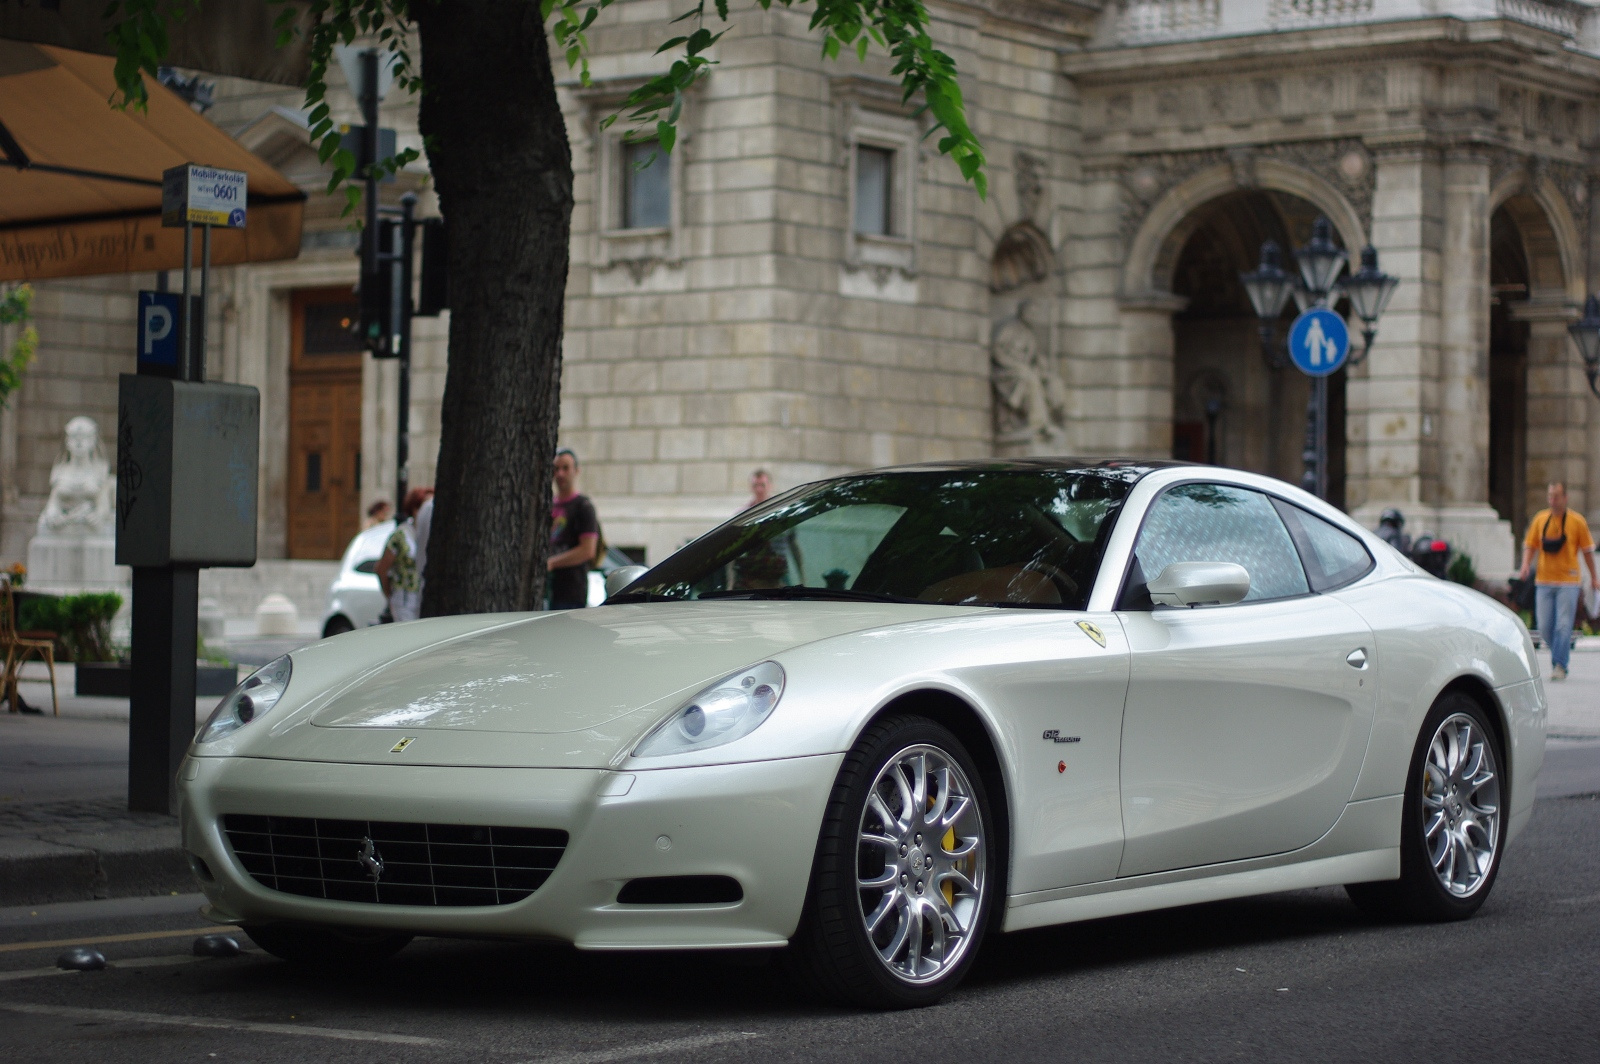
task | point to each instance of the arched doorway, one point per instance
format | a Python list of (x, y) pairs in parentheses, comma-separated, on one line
[(1537, 420), (1229, 404)]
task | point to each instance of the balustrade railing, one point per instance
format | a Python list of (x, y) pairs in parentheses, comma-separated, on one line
[(1558, 16), (1143, 21), (1151, 21)]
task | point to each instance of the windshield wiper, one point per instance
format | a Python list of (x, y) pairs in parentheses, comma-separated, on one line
[(801, 591), (645, 596)]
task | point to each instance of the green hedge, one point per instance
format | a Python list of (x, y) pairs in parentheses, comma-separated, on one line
[(82, 623)]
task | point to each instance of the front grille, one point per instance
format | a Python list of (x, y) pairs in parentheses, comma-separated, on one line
[(394, 864)]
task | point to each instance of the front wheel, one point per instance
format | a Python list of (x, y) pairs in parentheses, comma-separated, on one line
[(327, 947), (1453, 823), (903, 883)]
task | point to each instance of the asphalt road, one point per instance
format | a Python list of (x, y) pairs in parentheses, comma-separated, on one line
[(1299, 976)]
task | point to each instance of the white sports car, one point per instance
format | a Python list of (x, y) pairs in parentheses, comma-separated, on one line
[(881, 716)]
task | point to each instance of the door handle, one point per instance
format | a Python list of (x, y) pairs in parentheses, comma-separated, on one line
[(1357, 658)]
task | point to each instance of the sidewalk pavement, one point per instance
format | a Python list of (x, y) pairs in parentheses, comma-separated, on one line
[(66, 833)]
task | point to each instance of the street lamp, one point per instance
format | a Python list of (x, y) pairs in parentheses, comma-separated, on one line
[(1586, 334), (1320, 261), (1368, 290), (1269, 287)]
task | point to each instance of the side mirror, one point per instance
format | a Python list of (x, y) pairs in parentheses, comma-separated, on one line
[(619, 578), (1200, 584)]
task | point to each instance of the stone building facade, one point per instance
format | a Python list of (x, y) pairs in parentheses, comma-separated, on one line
[(804, 284)]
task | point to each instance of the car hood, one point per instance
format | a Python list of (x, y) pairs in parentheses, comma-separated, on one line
[(575, 688)]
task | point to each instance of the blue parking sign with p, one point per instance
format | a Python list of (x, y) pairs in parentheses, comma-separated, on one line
[(1319, 342), (158, 332)]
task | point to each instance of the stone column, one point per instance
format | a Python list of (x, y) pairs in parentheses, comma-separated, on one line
[(1390, 421), (1558, 402), (1464, 334), (1124, 402)]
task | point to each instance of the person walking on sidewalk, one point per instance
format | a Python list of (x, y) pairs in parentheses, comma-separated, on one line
[(1557, 539), (574, 537)]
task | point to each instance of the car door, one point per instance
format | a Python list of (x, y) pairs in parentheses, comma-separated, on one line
[(1245, 724)]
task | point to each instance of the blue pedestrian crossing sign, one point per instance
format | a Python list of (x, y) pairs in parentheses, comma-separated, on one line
[(1319, 342)]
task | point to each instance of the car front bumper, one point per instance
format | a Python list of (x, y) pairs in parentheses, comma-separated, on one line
[(756, 822)]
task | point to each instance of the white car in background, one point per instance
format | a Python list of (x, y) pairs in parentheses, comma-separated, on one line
[(355, 600)]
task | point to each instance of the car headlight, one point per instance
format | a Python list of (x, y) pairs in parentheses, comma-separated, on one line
[(249, 701), (721, 713)]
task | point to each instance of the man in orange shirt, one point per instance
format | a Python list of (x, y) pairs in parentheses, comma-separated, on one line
[(1558, 538)]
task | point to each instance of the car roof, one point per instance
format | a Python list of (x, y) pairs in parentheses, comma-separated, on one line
[(1126, 469)]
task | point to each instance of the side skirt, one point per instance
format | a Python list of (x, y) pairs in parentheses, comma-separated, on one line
[(1362, 847)]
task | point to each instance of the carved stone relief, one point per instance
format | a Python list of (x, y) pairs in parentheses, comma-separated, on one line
[(1345, 163), (1030, 399)]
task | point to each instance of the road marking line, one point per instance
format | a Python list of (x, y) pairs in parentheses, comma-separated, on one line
[(206, 1022), (35, 973), (144, 936), (1585, 900), (645, 1049)]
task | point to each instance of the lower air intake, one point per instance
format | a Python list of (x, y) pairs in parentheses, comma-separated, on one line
[(681, 890)]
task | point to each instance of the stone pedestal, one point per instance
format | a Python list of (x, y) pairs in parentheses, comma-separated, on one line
[(73, 563)]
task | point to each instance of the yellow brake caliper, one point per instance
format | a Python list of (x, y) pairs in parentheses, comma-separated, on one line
[(948, 887)]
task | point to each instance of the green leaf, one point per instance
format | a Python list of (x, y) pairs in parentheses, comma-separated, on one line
[(667, 133)]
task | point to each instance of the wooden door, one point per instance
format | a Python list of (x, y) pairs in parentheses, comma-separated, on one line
[(324, 425)]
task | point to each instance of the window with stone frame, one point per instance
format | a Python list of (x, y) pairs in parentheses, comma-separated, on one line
[(882, 155), (637, 189)]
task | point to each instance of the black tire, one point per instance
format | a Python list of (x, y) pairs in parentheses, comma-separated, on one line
[(833, 949), (338, 624), (339, 949), (1420, 894)]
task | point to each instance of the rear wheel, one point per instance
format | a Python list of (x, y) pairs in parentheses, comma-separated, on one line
[(328, 947), (1453, 824), (902, 886)]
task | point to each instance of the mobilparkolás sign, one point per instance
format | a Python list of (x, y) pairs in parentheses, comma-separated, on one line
[(203, 195)]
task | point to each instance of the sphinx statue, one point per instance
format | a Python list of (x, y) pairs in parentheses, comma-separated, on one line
[(73, 546)]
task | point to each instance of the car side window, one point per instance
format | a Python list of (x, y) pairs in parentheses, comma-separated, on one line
[(1333, 556), (1222, 523)]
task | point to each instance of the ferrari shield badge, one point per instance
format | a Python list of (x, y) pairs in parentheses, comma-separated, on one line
[(1093, 631), (400, 746)]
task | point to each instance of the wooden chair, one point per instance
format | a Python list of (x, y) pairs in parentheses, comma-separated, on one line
[(19, 646)]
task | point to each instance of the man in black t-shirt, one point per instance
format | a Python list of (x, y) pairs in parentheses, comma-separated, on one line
[(574, 537)]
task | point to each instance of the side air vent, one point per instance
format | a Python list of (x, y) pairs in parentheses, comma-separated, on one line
[(681, 890)]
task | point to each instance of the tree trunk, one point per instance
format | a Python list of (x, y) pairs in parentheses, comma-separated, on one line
[(503, 169)]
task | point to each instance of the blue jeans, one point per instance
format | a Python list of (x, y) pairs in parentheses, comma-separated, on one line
[(1554, 606)]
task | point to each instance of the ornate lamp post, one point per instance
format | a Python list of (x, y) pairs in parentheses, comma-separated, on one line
[(1269, 287), (1586, 334), (1368, 290)]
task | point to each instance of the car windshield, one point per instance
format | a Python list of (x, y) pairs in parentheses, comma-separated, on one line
[(960, 537)]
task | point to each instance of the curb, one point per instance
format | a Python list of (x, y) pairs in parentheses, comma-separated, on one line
[(35, 872)]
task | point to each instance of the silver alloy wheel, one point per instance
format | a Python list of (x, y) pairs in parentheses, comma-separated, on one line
[(1460, 805), (920, 864)]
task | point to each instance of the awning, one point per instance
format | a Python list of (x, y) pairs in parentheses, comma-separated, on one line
[(80, 183)]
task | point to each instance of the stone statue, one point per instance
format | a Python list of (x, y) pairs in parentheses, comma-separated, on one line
[(74, 548), (1030, 399), (83, 493)]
